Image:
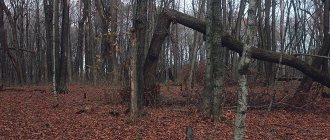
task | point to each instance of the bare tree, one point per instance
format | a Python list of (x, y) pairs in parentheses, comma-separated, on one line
[(81, 25), (63, 70), (54, 24), (243, 66), (13, 22)]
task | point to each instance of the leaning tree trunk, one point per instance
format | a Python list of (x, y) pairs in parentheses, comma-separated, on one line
[(150, 65)]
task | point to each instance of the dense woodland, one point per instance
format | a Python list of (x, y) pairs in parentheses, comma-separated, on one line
[(211, 60)]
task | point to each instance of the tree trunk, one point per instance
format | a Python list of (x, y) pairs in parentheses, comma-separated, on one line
[(140, 25), (206, 102), (218, 54), (63, 70), (236, 34), (150, 65), (133, 78), (81, 27), (91, 45), (243, 67), (113, 41), (48, 13), (41, 73), (54, 24), (268, 43)]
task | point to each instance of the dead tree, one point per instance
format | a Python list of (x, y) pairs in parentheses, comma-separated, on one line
[(168, 16)]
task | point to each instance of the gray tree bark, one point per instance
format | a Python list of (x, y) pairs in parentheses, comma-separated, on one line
[(218, 57), (243, 67), (55, 10)]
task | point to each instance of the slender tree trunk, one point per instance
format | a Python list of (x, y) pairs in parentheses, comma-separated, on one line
[(41, 73), (236, 34), (268, 43), (55, 100), (80, 43), (91, 45), (134, 110), (197, 39), (113, 41), (243, 69)]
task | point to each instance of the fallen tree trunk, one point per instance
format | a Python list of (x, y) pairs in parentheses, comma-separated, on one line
[(257, 53), (169, 16)]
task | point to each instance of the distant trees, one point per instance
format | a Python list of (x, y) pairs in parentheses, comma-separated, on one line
[(93, 41)]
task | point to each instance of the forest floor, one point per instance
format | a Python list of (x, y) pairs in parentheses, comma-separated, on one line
[(27, 113)]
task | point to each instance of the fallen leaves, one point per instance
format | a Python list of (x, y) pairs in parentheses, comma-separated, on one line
[(29, 115)]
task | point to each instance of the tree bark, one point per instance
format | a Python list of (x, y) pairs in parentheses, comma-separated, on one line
[(268, 43), (243, 67), (48, 13), (113, 40), (218, 57), (150, 65), (63, 71), (54, 25), (81, 26), (133, 78)]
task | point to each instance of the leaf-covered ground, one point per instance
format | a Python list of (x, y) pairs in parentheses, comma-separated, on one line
[(27, 113)]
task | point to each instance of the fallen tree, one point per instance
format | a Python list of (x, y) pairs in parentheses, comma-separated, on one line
[(169, 16)]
